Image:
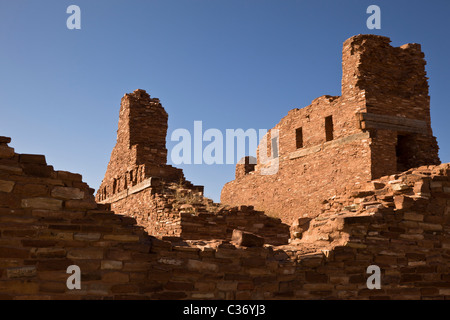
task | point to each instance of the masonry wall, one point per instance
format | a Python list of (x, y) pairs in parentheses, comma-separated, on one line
[(48, 221), (313, 172), (164, 240), (138, 183), (165, 212), (395, 87), (140, 151), (379, 126)]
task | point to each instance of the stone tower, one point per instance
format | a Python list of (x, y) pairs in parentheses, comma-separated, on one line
[(380, 125), (391, 89), (140, 151)]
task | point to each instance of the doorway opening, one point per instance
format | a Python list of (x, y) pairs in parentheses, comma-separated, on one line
[(403, 152)]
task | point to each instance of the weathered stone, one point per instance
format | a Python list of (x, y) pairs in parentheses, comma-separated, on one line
[(246, 239), (69, 176), (121, 237), (42, 203), (67, 193), (6, 186), (413, 216), (399, 186), (49, 253), (19, 287), (112, 265), (87, 236), (6, 152), (5, 140), (80, 204), (31, 189), (431, 226), (202, 266), (203, 295), (21, 272), (12, 169), (115, 277), (85, 253), (403, 202), (32, 158), (437, 185), (186, 207)]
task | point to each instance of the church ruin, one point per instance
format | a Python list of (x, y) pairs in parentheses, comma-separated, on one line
[(359, 184), (379, 126)]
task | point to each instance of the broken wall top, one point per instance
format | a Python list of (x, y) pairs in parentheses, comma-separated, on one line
[(387, 83), (140, 151), (141, 134)]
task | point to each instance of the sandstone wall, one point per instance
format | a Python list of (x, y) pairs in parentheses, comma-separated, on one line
[(138, 183), (140, 151), (379, 126), (312, 173), (170, 210), (397, 101), (48, 221)]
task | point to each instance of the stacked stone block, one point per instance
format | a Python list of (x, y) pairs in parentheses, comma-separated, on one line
[(380, 125), (48, 222), (140, 152)]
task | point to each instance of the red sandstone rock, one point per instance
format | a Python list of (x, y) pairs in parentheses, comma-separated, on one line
[(403, 230), (246, 239)]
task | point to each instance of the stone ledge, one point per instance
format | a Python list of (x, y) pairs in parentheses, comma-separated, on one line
[(329, 144), (379, 121), (5, 140), (148, 183)]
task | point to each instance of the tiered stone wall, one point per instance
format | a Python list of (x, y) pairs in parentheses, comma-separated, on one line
[(157, 195), (380, 125), (344, 221), (48, 221), (169, 210), (140, 151), (210, 226), (397, 102)]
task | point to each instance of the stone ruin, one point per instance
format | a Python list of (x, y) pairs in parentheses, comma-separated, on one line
[(379, 126), (359, 184), (139, 183)]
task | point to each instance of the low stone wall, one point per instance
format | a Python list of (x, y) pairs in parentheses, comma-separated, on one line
[(164, 213), (48, 222), (208, 226)]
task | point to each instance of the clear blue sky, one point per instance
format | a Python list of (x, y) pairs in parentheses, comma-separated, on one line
[(230, 63)]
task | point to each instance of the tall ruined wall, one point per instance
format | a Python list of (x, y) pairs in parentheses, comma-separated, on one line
[(394, 83), (140, 151), (139, 184), (48, 221), (138, 165), (309, 174), (380, 125)]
